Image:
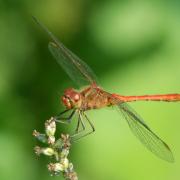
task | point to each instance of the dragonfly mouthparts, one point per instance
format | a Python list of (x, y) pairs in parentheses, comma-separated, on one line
[(71, 98)]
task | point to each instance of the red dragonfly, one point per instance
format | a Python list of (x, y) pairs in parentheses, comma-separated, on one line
[(92, 96)]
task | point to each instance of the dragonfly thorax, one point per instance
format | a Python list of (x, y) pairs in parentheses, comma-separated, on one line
[(71, 98)]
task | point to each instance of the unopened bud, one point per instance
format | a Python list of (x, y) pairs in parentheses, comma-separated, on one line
[(45, 151), (66, 140), (71, 175), (65, 137), (65, 163), (56, 167), (48, 151), (50, 127), (51, 140), (41, 137), (64, 153), (37, 150), (35, 133), (70, 167)]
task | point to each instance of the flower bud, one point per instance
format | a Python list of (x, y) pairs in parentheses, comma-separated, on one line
[(64, 153), (70, 167), (48, 151), (50, 127), (37, 150), (56, 167), (65, 163), (41, 137), (51, 140), (45, 151)]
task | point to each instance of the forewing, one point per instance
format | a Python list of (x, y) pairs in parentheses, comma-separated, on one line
[(77, 69), (145, 134)]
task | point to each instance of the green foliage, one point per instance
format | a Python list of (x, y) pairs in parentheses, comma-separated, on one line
[(133, 48)]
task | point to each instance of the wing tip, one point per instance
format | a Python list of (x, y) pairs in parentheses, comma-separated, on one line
[(170, 158)]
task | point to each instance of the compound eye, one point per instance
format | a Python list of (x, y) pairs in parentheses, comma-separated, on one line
[(66, 102), (76, 97), (63, 99)]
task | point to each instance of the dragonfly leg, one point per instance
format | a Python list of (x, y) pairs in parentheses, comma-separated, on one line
[(61, 113), (78, 125), (83, 125), (91, 124), (77, 128), (80, 121), (65, 120)]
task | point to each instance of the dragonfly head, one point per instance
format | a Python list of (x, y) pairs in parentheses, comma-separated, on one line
[(71, 98)]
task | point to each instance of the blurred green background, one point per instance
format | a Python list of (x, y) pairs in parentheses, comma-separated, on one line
[(134, 48)]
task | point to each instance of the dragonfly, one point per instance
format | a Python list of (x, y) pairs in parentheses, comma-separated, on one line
[(93, 96)]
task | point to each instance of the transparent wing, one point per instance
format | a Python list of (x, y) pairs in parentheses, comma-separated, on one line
[(145, 134), (77, 69)]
